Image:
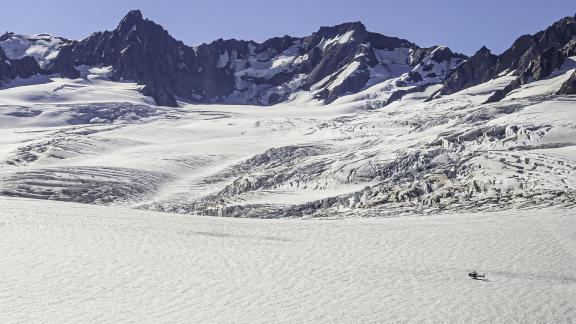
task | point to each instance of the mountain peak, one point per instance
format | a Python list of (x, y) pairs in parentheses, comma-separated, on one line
[(484, 51), (6, 36), (132, 18), (134, 14), (343, 28), (352, 25)]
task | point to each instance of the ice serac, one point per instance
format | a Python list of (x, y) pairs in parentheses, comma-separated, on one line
[(530, 56)]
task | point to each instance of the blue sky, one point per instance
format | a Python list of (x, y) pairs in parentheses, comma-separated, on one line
[(464, 25)]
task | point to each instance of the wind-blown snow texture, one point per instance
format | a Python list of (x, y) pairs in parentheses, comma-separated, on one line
[(63, 262)]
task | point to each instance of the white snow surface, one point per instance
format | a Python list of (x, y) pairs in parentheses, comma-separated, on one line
[(65, 263)]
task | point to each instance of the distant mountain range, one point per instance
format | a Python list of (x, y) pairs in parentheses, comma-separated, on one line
[(330, 63)]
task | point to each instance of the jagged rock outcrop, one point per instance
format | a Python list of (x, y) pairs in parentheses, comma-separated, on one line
[(568, 87), (546, 62), (535, 56), (138, 50), (570, 48), (541, 67), (350, 51), (477, 69), (435, 53)]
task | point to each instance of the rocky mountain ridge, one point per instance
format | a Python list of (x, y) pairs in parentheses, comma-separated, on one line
[(531, 57), (331, 63)]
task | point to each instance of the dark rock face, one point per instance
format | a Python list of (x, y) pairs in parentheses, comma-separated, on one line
[(22, 68), (138, 50), (340, 54), (477, 69), (538, 69), (438, 54), (337, 54), (536, 56), (570, 48), (529, 47), (520, 54), (546, 62), (419, 54), (569, 87)]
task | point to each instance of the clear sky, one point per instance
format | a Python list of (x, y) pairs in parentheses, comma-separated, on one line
[(464, 25)]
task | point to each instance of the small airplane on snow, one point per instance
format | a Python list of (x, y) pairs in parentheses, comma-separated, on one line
[(476, 276)]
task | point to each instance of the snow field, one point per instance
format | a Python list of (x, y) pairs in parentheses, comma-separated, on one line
[(65, 262)]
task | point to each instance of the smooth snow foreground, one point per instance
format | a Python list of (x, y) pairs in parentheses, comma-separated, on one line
[(65, 262)]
